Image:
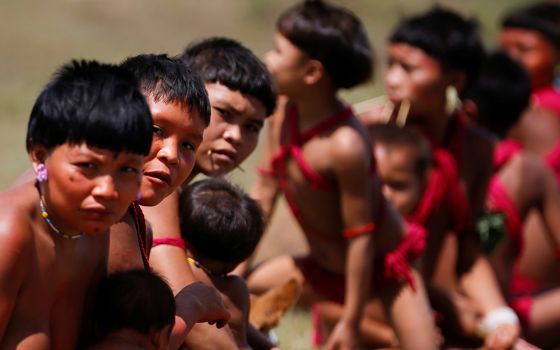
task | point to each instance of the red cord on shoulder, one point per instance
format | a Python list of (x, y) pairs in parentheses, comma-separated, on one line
[(358, 231), (172, 241)]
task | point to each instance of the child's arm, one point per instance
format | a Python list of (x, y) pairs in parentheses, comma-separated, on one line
[(265, 189), (352, 161), (197, 302), (15, 257), (166, 259), (549, 204)]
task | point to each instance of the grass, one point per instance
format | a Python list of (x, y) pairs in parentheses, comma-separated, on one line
[(38, 36)]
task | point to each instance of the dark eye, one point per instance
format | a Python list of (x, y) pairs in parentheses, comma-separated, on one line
[(130, 170), (255, 128), (223, 113), (188, 146), (85, 165), (156, 130)]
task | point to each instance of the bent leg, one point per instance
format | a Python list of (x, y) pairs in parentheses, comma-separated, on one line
[(410, 315), (545, 320)]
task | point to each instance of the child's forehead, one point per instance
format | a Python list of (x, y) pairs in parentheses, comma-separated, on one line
[(397, 154)]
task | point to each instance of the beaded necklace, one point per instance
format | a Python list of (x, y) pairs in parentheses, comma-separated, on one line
[(45, 216)]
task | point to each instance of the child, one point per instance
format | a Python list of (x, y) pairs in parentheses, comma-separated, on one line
[(325, 173), (134, 309), (530, 34), (221, 226), (241, 97), (88, 133), (521, 183), (180, 111), (411, 184), (434, 57)]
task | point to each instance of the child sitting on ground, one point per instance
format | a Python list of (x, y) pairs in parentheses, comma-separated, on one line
[(134, 309), (221, 226), (87, 136), (412, 185)]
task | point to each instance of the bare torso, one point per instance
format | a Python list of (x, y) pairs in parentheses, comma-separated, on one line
[(52, 278)]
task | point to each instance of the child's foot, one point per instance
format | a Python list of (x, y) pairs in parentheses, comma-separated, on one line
[(268, 308)]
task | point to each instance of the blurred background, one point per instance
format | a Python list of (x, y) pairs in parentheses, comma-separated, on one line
[(38, 36)]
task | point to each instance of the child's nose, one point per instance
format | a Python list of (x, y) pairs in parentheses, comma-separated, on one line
[(233, 134), (105, 187), (169, 152)]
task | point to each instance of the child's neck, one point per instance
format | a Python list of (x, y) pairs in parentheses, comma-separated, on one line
[(434, 124), (316, 107)]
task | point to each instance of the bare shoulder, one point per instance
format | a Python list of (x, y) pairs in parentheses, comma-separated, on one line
[(16, 223), (349, 145)]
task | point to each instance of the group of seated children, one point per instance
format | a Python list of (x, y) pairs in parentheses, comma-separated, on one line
[(417, 210)]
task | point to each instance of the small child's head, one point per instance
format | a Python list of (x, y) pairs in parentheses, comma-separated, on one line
[(87, 135), (430, 53), (181, 111), (316, 40), (499, 95), (137, 302), (403, 158), (220, 223), (531, 34), (241, 96)]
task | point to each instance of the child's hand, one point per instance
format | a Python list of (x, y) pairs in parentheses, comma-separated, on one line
[(503, 337), (203, 303), (343, 337)]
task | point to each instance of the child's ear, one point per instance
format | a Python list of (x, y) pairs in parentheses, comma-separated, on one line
[(458, 79), (470, 108), (314, 71), (37, 155), (160, 338)]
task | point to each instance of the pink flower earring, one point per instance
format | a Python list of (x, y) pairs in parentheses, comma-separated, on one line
[(42, 174)]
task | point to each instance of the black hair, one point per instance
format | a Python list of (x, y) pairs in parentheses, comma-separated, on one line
[(392, 135), (501, 92), (332, 35), (220, 221), (168, 79), (228, 62), (135, 299), (543, 17), (91, 102), (446, 36)]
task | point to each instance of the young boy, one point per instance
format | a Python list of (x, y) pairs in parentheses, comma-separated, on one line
[(323, 164), (411, 184), (241, 97), (221, 226), (522, 182), (180, 111), (88, 133), (134, 309)]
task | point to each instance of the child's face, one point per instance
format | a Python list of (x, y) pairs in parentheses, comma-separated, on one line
[(402, 185), (177, 134), (89, 188), (287, 65), (535, 52), (235, 124), (414, 75)]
